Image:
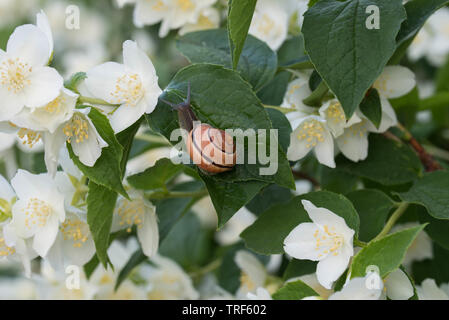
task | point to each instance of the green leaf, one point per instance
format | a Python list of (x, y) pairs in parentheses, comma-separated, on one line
[(239, 19), (387, 253), (170, 211), (436, 268), (389, 162), (443, 78), (406, 107), (292, 54), (107, 170), (297, 268), (228, 198), (431, 191), (280, 122), (436, 229), (418, 11), (268, 197), (337, 181), (371, 107), (72, 83), (266, 235), (100, 209), (373, 207), (296, 290), (136, 259), (258, 63), (223, 100), (348, 55), (157, 176), (273, 93), (188, 243)]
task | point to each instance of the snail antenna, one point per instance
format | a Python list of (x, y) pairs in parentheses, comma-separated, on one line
[(169, 103)]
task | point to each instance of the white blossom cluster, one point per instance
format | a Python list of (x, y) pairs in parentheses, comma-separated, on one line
[(326, 131)]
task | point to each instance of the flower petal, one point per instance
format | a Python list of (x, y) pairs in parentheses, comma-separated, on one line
[(353, 143), (46, 236), (324, 151), (331, 268), (398, 286), (126, 115), (148, 233), (101, 80), (43, 24), (301, 243), (30, 44), (395, 81), (45, 86)]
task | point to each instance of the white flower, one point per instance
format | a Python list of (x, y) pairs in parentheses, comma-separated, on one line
[(25, 80), (253, 274), (394, 82), (261, 294), (297, 91), (326, 239), (432, 40), (52, 285), (74, 244), (81, 133), (270, 23), (360, 289), (209, 18), (398, 286), (11, 247), (428, 290), (49, 117), (335, 117), (132, 85), (141, 213), (312, 133), (38, 211), (167, 280), (172, 13), (312, 281), (230, 233)]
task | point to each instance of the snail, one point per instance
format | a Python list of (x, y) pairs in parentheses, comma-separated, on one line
[(211, 149)]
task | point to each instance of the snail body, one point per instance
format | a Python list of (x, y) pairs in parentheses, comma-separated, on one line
[(211, 149)]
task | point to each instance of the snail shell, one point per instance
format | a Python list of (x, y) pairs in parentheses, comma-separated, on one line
[(211, 149)]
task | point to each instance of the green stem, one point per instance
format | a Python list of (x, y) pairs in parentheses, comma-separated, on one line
[(152, 138), (281, 109), (392, 220), (84, 99), (317, 95), (177, 194), (206, 269), (359, 243)]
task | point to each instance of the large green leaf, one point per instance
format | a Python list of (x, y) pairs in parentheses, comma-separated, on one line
[(386, 254), (188, 243), (437, 229), (373, 207), (222, 99), (348, 55), (388, 163), (296, 290), (157, 176), (228, 198), (240, 15), (266, 235), (431, 191), (107, 170), (257, 65), (100, 209)]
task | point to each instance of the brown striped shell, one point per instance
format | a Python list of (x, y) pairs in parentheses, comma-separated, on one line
[(211, 149)]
